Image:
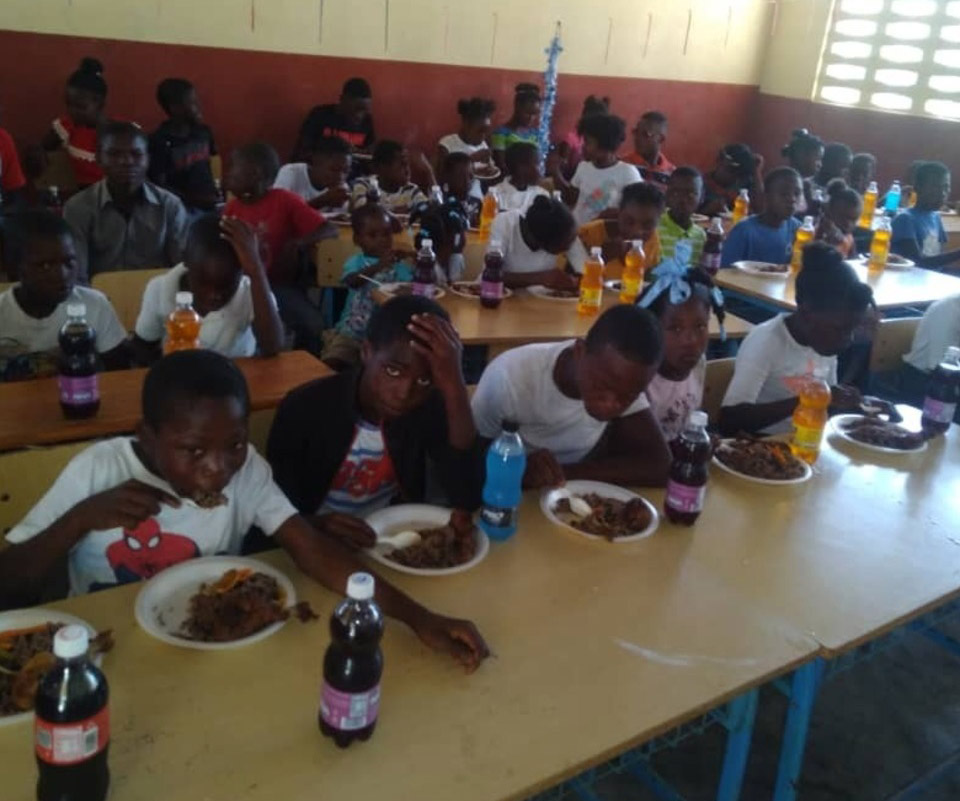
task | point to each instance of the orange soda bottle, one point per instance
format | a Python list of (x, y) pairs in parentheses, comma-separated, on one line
[(488, 212), (591, 285), (810, 417), (801, 239), (741, 206), (634, 265), (869, 206), (183, 325), (880, 244)]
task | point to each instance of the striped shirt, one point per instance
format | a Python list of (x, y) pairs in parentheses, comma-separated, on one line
[(670, 233)]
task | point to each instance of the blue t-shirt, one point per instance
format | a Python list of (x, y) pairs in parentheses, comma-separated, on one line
[(751, 240), (925, 228), (360, 302)]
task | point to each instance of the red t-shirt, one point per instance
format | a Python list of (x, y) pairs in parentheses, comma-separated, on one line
[(11, 176), (278, 217), (80, 142)]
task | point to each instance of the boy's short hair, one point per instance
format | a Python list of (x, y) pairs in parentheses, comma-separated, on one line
[(389, 322), (263, 156), (827, 283), (643, 193), (519, 153), (331, 146), (366, 212), (358, 88), (656, 117), (171, 91), (29, 226), (929, 171), (115, 128), (686, 171), (475, 108), (608, 129), (837, 152), (780, 174), (451, 160), (631, 331), (205, 238), (386, 152), (181, 378)]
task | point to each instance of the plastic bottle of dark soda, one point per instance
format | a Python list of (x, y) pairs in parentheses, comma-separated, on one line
[(72, 724), (352, 666), (710, 255), (943, 393), (425, 270), (688, 474), (491, 281), (79, 386)]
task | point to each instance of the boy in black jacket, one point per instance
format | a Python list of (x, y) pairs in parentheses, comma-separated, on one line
[(345, 446)]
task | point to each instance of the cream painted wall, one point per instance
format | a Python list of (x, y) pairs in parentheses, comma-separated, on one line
[(698, 40), (797, 31)]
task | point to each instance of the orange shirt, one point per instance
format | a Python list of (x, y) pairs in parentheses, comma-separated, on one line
[(594, 234), (657, 173)]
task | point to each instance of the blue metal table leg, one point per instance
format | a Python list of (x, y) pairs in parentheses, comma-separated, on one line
[(651, 779), (803, 692), (741, 713)]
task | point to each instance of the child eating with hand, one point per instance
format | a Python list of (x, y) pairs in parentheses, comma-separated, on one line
[(391, 166), (222, 270), (323, 181), (684, 191), (522, 184), (768, 236)]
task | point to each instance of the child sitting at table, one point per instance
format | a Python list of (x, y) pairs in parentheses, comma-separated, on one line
[(938, 330), (345, 446), (681, 297), (532, 240), (188, 484), (776, 355), (837, 158), (323, 181), (286, 229), (459, 184), (580, 404), (737, 167), (522, 184), (446, 226), (522, 125), (839, 218), (391, 166), (647, 156), (641, 206), (39, 249), (918, 232), (471, 139), (863, 170), (601, 176), (684, 190), (222, 270), (376, 260), (180, 149), (768, 236)]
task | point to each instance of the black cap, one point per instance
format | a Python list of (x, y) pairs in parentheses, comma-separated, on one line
[(511, 426)]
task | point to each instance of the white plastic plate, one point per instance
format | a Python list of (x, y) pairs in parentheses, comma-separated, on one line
[(549, 499)]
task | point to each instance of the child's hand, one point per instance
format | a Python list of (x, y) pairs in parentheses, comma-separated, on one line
[(243, 239), (125, 506), (441, 347), (459, 638), (350, 531), (332, 197), (845, 398), (559, 279), (543, 471)]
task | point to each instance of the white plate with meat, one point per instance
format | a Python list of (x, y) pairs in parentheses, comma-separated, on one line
[(763, 269), (877, 435), (557, 295), (600, 511)]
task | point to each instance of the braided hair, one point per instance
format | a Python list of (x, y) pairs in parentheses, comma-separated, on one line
[(441, 223), (702, 287)]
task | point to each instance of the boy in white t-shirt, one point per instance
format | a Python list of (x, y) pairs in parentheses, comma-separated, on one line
[(580, 404), (323, 181), (187, 485), (777, 355), (522, 184), (223, 272), (600, 176), (41, 250)]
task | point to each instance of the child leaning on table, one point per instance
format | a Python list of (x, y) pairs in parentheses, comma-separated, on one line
[(222, 270), (768, 236), (40, 250), (832, 303), (188, 484)]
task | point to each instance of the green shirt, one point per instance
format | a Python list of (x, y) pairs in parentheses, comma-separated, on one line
[(670, 233)]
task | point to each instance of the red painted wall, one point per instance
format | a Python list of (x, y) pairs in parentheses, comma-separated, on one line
[(251, 95), (895, 139)]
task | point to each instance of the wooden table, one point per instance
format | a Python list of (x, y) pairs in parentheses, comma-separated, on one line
[(892, 288), (597, 648), (30, 410), (951, 224)]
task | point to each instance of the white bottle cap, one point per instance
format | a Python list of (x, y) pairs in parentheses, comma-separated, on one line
[(716, 221), (54, 189), (637, 244), (698, 419), (76, 310), (184, 298), (745, 193), (360, 586), (494, 245), (71, 642), (808, 222), (426, 243), (820, 372), (596, 252)]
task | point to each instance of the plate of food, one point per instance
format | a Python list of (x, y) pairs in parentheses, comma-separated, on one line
[(428, 540), (471, 289), (549, 293), (26, 654), (894, 262), (699, 219), (400, 289), (486, 171), (614, 284), (215, 602), (600, 511), (875, 434), (763, 269), (763, 461)]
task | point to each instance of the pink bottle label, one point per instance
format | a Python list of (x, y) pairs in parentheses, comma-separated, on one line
[(938, 411), (349, 711), (684, 498), (492, 290), (425, 290), (76, 391)]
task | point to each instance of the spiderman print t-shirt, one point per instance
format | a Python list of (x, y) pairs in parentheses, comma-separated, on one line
[(106, 558), (366, 480)]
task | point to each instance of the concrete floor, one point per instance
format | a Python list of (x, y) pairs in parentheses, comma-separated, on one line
[(875, 728)]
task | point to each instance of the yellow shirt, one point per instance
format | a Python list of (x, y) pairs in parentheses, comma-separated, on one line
[(594, 235)]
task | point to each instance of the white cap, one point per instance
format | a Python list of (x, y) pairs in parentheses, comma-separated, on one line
[(596, 252), (76, 310), (637, 243), (716, 221), (360, 586), (872, 187), (184, 298), (744, 193), (698, 419), (808, 222), (426, 243), (71, 642), (372, 180), (821, 372)]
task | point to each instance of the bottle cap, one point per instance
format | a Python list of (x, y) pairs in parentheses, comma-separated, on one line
[(596, 252), (53, 188), (373, 182), (637, 244), (745, 193), (360, 586), (808, 222), (820, 372), (76, 310), (698, 419), (494, 245), (714, 221), (71, 642), (872, 187), (426, 243), (184, 298), (510, 426)]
